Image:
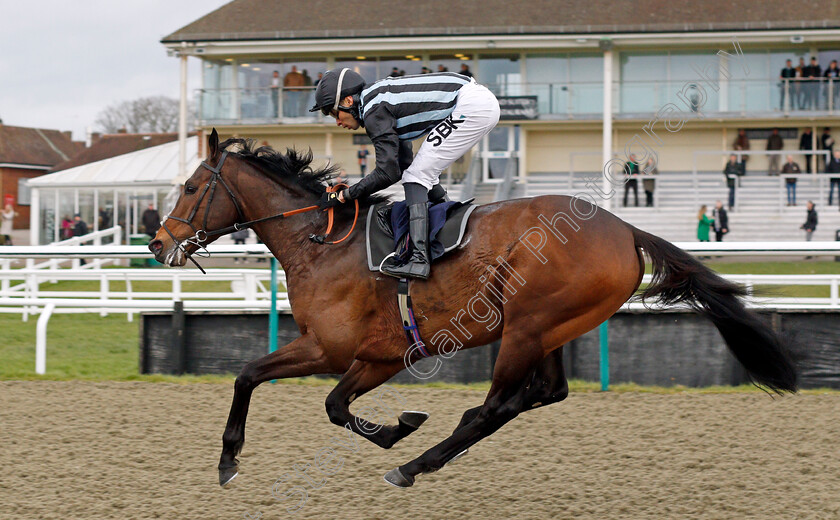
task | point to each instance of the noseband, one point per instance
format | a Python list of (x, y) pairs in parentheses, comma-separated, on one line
[(201, 236)]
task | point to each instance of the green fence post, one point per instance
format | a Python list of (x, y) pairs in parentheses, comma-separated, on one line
[(272, 316), (605, 355)]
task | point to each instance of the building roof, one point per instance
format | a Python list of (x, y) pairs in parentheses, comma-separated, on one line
[(36, 146), (111, 145), (155, 166), (302, 19)]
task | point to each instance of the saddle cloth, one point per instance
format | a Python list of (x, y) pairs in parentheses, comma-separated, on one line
[(447, 224)]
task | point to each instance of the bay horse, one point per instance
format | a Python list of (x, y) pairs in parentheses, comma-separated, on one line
[(552, 268)]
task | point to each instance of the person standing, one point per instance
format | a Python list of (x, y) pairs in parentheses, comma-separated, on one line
[(812, 74), (810, 224), (833, 169), (742, 143), (731, 171), (8, 217), (790, 182), (292, 84), (774, 144), (806, 143), (788, 76), (362, 155), (80, 228), (275, 92), (631, 170), (704, 224), (239, 237), (465, 70), (151, 220), (827, 144), (721, 221), (648, 182), (799, 84), (832, 85)]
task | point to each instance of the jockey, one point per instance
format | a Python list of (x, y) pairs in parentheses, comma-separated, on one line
[(452, 111)]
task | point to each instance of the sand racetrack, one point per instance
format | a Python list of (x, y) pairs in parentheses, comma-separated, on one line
[(149, 450)]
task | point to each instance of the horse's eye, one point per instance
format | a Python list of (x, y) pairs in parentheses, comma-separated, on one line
[(189, 190)]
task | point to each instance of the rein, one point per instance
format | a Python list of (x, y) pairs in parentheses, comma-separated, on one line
[(201, 236)]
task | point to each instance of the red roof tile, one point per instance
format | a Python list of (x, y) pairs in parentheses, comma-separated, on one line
[(36, 146)]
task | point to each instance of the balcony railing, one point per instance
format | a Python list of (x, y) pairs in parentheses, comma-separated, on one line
[(563, 100)]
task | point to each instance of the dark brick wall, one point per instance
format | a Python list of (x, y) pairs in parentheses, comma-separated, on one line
[(646, 348)]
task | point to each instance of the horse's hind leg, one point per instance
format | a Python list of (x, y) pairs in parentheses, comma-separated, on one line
[(362, 377), (515, 366), (548, 385), (302, 357)]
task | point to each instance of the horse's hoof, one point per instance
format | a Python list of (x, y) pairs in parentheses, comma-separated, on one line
[(397, 479), (227, 475), (412, 419)]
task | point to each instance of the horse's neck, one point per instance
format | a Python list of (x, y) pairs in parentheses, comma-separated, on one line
[(288, 238)]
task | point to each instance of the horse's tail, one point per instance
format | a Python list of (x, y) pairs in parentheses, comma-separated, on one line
[(680, 278)]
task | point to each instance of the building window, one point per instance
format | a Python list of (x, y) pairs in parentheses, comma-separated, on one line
[(23, 194)]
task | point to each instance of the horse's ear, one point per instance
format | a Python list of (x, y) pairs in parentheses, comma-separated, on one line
[(213, 144)]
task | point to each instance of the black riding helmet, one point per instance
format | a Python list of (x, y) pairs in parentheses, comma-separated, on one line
[(335, 86)]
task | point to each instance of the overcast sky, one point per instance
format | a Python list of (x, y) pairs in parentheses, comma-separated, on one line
[(62, 62)]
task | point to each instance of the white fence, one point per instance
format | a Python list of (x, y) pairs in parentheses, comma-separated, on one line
[(250, 288)]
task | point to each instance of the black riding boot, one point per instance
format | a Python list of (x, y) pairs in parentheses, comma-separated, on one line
[(416, 196), (418, 229)]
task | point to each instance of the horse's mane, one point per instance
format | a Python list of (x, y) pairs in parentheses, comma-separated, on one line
[(294, 166)]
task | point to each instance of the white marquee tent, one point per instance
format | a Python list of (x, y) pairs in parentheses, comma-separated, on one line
[(108, 192)]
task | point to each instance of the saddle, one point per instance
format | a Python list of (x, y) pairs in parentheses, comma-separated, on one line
[(447, 224)]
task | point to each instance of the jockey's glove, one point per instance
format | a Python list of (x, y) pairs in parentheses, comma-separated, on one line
[(329, 200)]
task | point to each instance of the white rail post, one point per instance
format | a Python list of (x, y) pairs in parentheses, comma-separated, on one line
[(6, 283), (103, 293), (835, 297), (41, 339), (251, 288)]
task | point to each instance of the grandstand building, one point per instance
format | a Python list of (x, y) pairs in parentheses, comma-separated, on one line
[(682, 79)]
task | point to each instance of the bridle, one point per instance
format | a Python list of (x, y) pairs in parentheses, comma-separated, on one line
[(201, 236)]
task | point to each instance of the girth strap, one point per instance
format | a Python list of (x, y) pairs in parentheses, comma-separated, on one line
[(407, 315)]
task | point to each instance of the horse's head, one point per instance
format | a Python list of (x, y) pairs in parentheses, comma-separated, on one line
[(207, 204)]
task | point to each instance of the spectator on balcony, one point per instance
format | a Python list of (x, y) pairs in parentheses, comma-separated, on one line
[(827, 144), (704, 224), (806, 143), (318, 79), (8, 217), (792, 168), (774, 144), (812, 75), (465, 70), (799, 88), (833, 169), (151, 220), (425, 70), (631, 170), (787, 87), (832, 85), (292, 83), (810, 224), (275, 92), (742, 143), (732, 171), (648, 182), (441, 68), (721, 221)]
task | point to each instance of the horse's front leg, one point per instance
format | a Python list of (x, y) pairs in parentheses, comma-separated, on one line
[(360, 378), (302, 357)]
